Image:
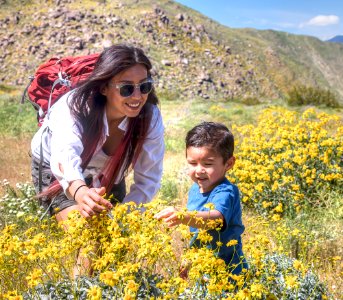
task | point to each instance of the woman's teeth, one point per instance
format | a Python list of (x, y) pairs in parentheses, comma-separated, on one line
[(133, 105)]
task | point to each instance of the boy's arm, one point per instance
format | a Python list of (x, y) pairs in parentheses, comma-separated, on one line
[(197, 219)]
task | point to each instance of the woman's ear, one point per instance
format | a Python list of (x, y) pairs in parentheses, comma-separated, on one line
[(230, 163), (103, 90)]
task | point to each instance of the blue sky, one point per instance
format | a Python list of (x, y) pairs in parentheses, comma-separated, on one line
[(322, 19)]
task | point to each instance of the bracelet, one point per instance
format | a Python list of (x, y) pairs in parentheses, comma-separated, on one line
[(82, 185)]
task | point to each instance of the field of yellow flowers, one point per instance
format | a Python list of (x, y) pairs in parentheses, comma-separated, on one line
[(289, 171), (288, 159)]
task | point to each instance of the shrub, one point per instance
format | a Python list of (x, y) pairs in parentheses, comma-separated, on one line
[(286, 280), (18, 203), (135, 256), (308, 95), (286, 159)]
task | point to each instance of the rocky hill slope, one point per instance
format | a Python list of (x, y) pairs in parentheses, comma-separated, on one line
[(193, 55)]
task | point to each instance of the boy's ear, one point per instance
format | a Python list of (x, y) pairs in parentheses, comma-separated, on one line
[(230, 163)]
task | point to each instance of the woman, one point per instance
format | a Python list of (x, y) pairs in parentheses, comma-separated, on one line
[(94, 133)]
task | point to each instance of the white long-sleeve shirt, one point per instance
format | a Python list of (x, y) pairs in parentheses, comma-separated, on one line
[(62, 146)]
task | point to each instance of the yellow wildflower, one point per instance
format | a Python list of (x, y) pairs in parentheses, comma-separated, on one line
[(232, 243), (94, 293), (209, 206), (219, 244), (204, 236), (298, 265), (256, 290), (109, 277), (131, 287), (291, 281), (244, 294), (276, 217), (34, 278)]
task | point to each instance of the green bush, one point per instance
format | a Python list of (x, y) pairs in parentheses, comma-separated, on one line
[(17, 203), (285, 282), (308, 95)]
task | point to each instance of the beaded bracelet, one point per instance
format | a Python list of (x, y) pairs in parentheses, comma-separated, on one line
[(78, 189)]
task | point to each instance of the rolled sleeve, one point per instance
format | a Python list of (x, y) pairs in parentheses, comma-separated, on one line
[(149, 165), (66, 145), (65, 162)]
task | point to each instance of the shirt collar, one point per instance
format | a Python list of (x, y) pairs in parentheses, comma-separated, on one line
[(123, 125)]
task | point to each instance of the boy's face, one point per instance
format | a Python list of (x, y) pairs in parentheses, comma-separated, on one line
[(207, 168)]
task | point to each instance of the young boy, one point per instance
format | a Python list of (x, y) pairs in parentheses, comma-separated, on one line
[(209, 153)]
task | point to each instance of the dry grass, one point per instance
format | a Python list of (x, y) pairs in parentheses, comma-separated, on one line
[(15, 162)]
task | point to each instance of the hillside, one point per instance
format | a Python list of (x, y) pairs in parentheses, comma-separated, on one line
[(193, 55)]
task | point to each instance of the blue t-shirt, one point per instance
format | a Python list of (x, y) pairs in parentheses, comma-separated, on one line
[(225, 198)]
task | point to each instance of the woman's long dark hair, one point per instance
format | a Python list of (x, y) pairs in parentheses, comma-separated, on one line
[(88, 107)]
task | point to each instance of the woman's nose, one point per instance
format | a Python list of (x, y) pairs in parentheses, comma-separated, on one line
[(137, 93)]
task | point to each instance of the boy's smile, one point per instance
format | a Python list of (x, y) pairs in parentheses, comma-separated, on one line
[(206, 167)]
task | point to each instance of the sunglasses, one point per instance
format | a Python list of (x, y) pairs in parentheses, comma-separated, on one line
[(127, 89)]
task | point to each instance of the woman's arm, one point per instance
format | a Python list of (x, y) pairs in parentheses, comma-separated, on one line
[(65, 160), (64, 145)]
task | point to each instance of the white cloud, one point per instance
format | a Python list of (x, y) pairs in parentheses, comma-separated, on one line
[(321, 20)]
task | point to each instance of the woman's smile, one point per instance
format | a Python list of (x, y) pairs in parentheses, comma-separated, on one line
[(134, 105)]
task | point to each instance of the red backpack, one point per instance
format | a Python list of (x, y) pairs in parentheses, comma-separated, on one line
[(56, 77)]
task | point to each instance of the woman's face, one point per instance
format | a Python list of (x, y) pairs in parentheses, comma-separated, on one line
[(118, 106)]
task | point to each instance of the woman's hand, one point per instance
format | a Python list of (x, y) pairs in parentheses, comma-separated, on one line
[(90, 201), (170, 216)]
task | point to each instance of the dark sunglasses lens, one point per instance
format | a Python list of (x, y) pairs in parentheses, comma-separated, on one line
[(126, 90), (146, 87)]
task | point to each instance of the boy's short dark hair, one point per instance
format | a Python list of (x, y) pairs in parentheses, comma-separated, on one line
[(214, 136)]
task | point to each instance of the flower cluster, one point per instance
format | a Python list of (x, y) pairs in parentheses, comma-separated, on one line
[(286, 159), (135, 256)]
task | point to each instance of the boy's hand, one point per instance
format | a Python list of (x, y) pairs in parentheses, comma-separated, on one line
[(170, 216)]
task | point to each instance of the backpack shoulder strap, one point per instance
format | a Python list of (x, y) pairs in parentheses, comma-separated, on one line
[(60, 80)]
